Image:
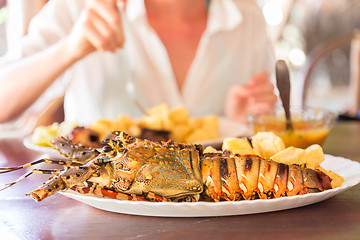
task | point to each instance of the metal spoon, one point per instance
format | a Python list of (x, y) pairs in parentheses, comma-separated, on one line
[(283, 84)]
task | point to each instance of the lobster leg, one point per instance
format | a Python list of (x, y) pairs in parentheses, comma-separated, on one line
[(42, 171), (65, 163), (65, 180)]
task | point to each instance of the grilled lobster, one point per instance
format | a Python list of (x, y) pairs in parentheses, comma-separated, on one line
[(133, 169)]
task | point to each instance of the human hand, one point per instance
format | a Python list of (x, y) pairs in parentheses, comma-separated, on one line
[(99, 28), (256, 97)]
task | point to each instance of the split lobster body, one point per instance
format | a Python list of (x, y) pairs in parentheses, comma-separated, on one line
[(170, 171)]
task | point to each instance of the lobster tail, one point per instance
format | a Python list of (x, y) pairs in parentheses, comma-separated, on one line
[(233, 177)]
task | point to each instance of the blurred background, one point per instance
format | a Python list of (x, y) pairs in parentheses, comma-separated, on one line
[(298, 28)]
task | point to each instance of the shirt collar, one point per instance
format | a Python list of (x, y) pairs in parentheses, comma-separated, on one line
[(224, 15)]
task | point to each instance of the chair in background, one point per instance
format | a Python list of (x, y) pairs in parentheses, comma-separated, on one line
[(325, 48)]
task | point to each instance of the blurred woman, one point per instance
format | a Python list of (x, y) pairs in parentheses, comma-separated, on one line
[(211, 57)]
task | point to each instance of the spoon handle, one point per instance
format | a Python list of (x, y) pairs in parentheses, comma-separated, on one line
[(283, 84)]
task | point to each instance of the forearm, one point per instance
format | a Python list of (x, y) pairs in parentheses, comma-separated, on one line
[(98, 28), (25, 80)]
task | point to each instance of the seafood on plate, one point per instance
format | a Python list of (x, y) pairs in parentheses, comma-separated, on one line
[(129, 168)]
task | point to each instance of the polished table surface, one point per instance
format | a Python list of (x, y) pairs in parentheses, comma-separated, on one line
[(59, 217)]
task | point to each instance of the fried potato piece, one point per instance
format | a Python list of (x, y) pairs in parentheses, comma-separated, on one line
[(102, 127), (179, 132), (310, 157), (160, 111), (156, 118), (122, 123), (151, 122), (43, 135), (290, 155), (178, 122), (203, 128), (210, 149), (313, 156), (105, 126), (267, 144), (179, 116), (238, 145)]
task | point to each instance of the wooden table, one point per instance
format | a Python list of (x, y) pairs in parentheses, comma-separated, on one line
[(60, 217)]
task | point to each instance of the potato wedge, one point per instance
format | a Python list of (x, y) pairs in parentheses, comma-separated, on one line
[(267, 144), (210, 149), (238, 145), (290, 155), (313, 156)]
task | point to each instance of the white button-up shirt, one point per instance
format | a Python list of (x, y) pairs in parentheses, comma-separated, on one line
[(233, 48)]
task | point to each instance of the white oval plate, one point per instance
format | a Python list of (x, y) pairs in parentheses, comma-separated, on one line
[(344, 167), (227, 129)]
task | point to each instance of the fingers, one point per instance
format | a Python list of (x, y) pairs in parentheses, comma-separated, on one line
[(256, 97), (239, 91), (99, 33), (108, 11), (236, 102), (261, 89), (99, 28), (107, 20), (263, 93), (259, 78)]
